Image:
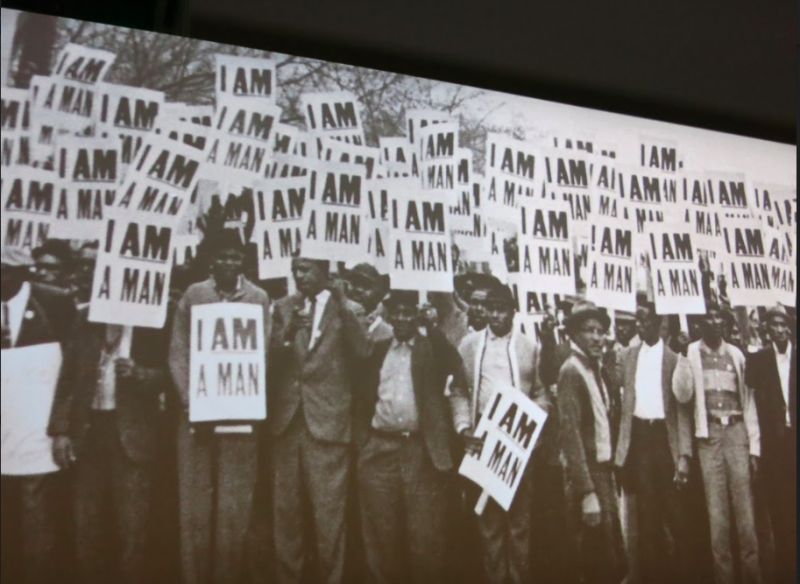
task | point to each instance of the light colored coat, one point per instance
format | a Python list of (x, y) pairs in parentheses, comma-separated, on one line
[(689, 384)]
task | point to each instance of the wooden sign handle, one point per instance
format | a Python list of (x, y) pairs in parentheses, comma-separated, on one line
[(482, 500)]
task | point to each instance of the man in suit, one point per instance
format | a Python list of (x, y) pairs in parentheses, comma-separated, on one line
[(654, 448), (588, 404), (319, 337), (404, 437), (27, 501), (217, 462), (772, 374), (104, 425), (728, 442), (496, 357)]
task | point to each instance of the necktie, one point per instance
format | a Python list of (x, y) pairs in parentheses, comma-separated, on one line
[(6, 338)]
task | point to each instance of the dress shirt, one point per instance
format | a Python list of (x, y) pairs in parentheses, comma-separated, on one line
[(396, 410), (649, 392), (117, 345), (15, 309), (320, 301), (784, 361), (495, 368)]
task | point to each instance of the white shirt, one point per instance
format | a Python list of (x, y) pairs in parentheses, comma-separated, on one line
[(784, 371), (16, 311), (649, 392), (322, 300), (117, 345)]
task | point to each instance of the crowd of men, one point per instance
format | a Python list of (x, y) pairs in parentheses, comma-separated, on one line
[(658, 447)]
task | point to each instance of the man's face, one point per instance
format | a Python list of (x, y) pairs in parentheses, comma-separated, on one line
[(366, 292), (648, 324), (228, 264), (309, 278), (713, 326), (403, 318), (500, 316), (49, 269), (625, 330), (778, 329), (589, 337), (476, 313)]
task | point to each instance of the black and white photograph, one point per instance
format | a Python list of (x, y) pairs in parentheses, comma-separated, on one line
[(268, 318)]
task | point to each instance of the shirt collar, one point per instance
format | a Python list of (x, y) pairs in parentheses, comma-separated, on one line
[(493, 337), (396, 343), (236, 292), (647, 348), (707, 349), (788, 352)]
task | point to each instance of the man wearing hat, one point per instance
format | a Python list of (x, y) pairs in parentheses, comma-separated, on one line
[(588, 404), (728, 442), (368, 287), (625, 331), (654, 448), (318, 343), (499, 356), (403, 434), (217, 463), (772, 374), (27, 515)]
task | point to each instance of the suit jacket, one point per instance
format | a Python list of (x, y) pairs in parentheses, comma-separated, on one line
[(138, 404), (431, 360), (320, 380), (677, 416), (59, 307), (577, 430), (36, 327), (761, 374)]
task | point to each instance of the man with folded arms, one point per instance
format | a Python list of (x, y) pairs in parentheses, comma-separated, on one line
[(728, 442)]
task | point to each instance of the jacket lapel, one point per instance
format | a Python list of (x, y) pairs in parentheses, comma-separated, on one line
[(419, 363), (327, 316), (629, 398), (666, 381), (35, 328)]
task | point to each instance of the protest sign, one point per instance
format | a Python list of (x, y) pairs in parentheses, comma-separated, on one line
[(606, 198), (510, 427), (514, 172), (185, 248), (782, 253), (378, 222), (674, 265), (279, 207), (567, 174), (335, 115), (611, 265), (468, 194), (729, 190), (194, 135), (701, 211), (746, 263), (416, 119), (89, 171), (650, 195), (397, 156), (82, 64), (69, 105), (436, 150), (545, 245), (161, 181), (286, 165), (228, 374), (251, 77), (334, 214), (421, 255), (775, 205), (202, 115), (242, 140), (285, 139), (29, 203), (659, 154), (533, 304), (15, 115), (29, 378), (337, 151), (129, 113), (131, 279)]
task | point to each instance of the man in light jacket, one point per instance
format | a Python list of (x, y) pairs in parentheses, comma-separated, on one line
[(728, 442)]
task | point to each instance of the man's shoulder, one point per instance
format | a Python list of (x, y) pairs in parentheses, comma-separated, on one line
[(254, 293), (470, 341)]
